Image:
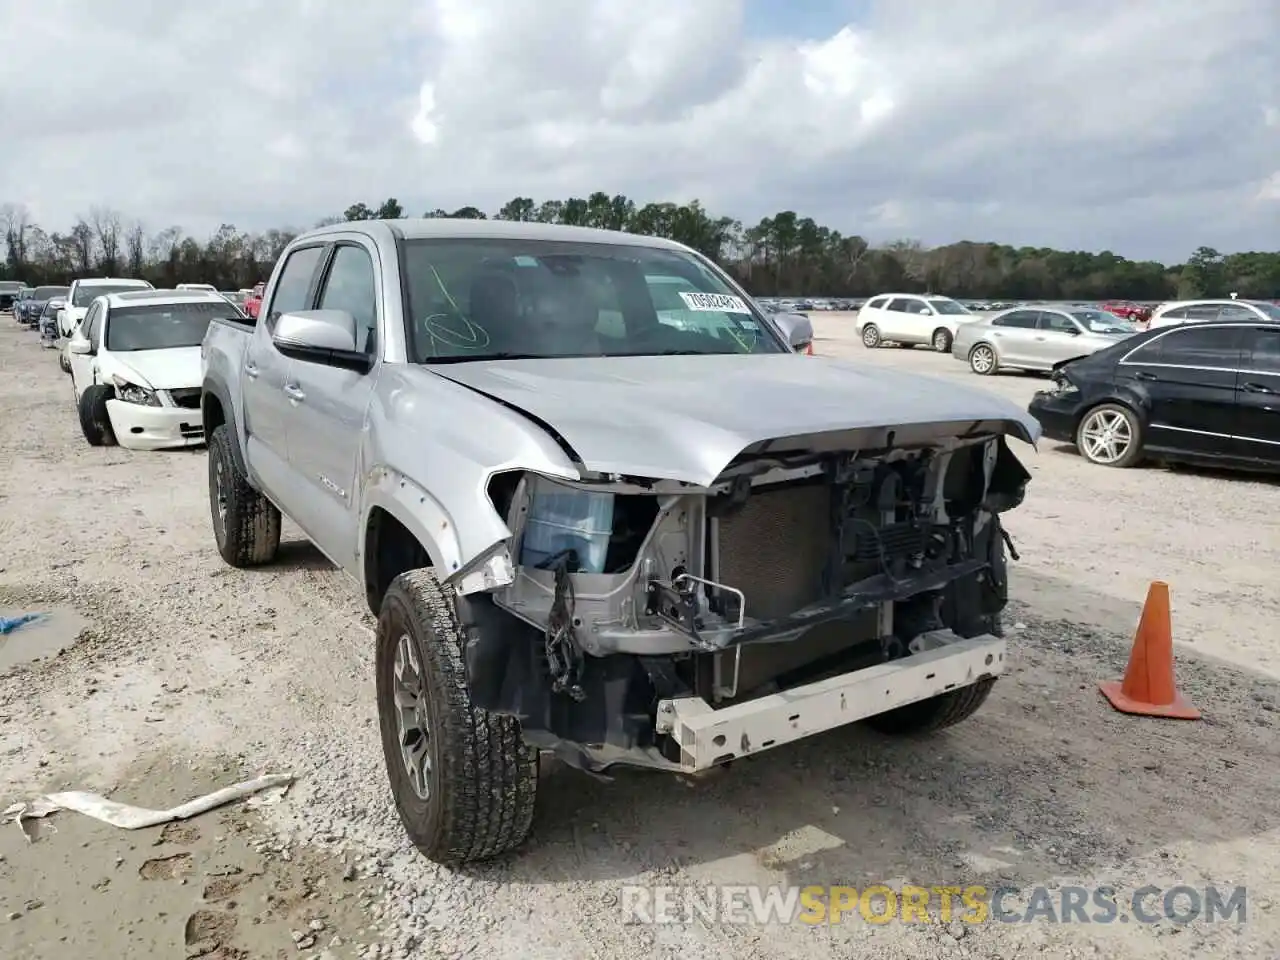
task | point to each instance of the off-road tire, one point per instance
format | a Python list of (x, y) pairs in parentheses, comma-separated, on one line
[(95, 424), (484, 779), (870, 336), (250, 535), (941, 340), (936, 713)]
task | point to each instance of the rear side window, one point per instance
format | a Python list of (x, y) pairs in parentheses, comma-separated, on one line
[(1217, 347), (1205, 311), (878, 303), (291, 292), (1177, 313), (1022, 319), (905, 305), (1266, 351)]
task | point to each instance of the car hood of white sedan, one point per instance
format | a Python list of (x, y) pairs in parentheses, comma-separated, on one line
[(161, 369)]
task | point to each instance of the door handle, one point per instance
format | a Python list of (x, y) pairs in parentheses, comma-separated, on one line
[(251, 370), (1144, 375), (1256, 388), (1039, 338), (294, 392)]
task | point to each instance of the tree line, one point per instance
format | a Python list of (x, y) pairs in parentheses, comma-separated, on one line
[(782, 255)]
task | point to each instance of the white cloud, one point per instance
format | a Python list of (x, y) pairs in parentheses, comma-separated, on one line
[(1132, 126)]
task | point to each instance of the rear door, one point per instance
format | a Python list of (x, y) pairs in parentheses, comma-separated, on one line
[(267, 411), (1187, 380), (1258, 396), (1013, 336)]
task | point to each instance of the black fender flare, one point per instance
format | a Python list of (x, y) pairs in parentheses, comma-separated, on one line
[(216, 388)]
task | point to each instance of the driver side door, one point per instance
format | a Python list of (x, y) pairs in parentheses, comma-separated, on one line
[(1057, 338), (84, 366)]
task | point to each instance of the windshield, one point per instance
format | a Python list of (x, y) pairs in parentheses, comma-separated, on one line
[(475, 299), (1100, 321), (1270, 309), (162, 326), (48, 293), (87, 293), (950, 307), (9, 286)]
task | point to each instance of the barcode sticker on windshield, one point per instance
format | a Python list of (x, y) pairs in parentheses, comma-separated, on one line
[(714, 303)]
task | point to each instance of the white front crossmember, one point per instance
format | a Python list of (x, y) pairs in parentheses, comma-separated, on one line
[(708, 737)]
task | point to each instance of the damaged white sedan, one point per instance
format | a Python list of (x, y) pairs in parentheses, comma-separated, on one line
[(589, 531), (135, 367)]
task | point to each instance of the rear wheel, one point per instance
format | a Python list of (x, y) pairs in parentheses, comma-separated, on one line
[(1110, 436), (465, 784), (95, 424), (246, 525), (871, 336)]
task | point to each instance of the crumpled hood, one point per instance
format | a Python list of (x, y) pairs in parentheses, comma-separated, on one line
[(685, 418), (162, 369)]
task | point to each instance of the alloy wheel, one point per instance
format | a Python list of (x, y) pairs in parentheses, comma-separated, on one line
[(1105, 436)]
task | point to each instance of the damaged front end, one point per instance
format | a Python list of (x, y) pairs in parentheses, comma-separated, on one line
[(665, 625)]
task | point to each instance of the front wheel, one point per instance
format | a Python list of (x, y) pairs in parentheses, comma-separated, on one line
[(1110, 436), (871, 336), (982, 360), (95, 423), (464, 782), (942, 340), (63, 363), (936, 713)]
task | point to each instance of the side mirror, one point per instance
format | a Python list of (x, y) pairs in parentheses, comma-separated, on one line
[(321, 336), (797, 328), (925, 312), (80, 346)]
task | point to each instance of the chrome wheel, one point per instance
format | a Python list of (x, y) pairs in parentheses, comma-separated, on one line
[(412, 724), (982, 360), (1106, 436)]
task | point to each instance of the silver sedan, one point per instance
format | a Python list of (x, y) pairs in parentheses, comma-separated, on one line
[(1036, 337)]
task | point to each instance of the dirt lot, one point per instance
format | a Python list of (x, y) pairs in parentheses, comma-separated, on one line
[(181, 675)]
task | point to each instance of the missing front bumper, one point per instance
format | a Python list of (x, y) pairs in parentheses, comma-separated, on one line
[(708, 737)]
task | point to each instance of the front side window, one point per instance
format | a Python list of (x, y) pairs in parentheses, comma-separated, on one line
[(350, 286), (948, 308), (162, 326), (1100, 321), (1214, 347), (294, 283), (473, 299), (1056, 322)]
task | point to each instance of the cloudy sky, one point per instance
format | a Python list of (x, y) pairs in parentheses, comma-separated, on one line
[(1147, 127)]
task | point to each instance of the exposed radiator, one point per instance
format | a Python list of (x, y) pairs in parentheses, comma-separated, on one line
[(775, 547)]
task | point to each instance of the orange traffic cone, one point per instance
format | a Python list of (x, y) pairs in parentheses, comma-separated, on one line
[(1148, 688)]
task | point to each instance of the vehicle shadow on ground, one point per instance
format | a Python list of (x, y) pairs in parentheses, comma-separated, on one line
[(1209, 473), (1045, 781), (300, 554)]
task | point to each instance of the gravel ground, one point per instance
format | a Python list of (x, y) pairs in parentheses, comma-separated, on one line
[(185, 675)]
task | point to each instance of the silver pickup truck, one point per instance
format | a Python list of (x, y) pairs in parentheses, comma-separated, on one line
[(591, 526)]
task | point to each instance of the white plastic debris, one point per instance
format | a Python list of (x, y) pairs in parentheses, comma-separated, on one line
[(136, 818)]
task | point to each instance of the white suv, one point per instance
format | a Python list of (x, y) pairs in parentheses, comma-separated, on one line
[(82, 293), (1199, 311), (911, 318)]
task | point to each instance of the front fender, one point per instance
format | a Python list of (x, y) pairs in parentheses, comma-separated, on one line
[(421, 514)]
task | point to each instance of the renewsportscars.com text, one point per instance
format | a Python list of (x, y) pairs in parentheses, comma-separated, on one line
[(972, 903)]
